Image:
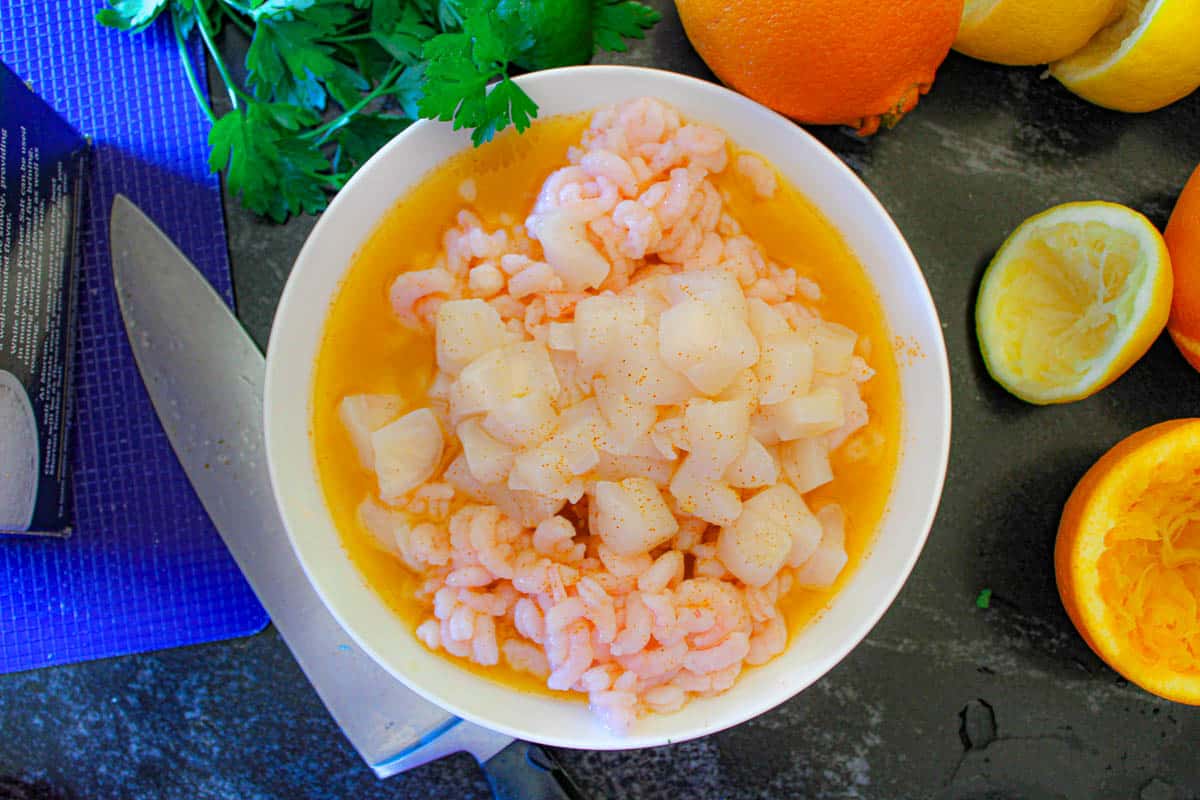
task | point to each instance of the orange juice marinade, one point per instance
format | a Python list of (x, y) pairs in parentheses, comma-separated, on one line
[(365, 350)]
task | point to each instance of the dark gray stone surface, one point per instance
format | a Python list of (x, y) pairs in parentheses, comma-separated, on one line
[(942, 699)]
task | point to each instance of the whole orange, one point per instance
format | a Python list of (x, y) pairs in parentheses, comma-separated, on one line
[(1183, 242), (830, 62)]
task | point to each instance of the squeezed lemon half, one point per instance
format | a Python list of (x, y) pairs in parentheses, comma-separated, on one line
[(1071, 300)]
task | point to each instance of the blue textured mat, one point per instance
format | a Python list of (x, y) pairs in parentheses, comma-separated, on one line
[(144, 568)]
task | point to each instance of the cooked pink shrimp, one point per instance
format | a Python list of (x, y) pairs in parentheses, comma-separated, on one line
[(538, 276), (604, 163), (641, 226), (578, 655), (411, 288)]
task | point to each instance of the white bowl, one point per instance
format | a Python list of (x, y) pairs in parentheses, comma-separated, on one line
[(925, 387)]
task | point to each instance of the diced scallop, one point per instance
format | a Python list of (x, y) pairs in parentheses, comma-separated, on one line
[(833, 345), (785, 368), (806, 463), (631, 516), (718, 287), (381, 523), (756, 545), (525, 508), (458, 475), (544, 470), (806, 538), (764, 320), (489, 459), (515, 370), (363, 414), (715, 433), (754, 468), (627, 420), (522, 421), (856, 412), (821, 570), (564, 239), (695, 493), (466, 329), (561, 336), (600, 328), (407, 452), (815, 413), (613, 467), (707, 344), (637, 367)]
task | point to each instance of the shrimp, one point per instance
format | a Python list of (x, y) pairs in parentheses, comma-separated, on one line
[(413, 295)]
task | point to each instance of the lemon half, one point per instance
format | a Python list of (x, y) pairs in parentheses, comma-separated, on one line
[(1071, 300), (1029, 31), (1147, 59)]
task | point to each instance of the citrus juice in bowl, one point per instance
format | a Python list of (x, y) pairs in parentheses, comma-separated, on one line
[(759, 607)]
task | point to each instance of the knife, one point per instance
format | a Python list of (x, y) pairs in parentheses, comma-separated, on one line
[(205, 376)]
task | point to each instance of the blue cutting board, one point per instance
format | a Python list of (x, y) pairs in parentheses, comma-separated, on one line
[(144, 568)]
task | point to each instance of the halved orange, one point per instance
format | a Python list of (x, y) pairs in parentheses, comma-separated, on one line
[(1127, 559)]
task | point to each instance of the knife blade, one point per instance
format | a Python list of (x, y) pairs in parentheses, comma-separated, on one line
[(205, 375)]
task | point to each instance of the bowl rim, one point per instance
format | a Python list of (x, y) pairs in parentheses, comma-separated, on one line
[(940, 392)]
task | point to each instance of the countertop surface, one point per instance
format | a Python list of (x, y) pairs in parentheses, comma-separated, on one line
[(942, 699)]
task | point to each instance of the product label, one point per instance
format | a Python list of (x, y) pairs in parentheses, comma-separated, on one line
[(42, 162)]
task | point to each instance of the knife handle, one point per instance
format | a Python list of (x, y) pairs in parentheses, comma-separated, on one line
[(524, 771)]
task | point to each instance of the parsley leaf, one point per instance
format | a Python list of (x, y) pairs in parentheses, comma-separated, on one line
[(328, 82), (361, 137), (984, 600), (131, 15), (401, 34), (272, 170), (286, 59), (614, 21), (461, 65)]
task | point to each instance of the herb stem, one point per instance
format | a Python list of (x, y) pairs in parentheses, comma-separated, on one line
[(236, 19), (206, 34), (322, 133), (238, 7), (350, 37), (189, 71)]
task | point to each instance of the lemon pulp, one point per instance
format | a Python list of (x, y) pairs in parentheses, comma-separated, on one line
[(1065, 295)]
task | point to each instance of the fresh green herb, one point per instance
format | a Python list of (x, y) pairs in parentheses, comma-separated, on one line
[(328, 82), (984, 600)]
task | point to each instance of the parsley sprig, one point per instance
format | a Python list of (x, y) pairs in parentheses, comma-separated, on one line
[(328, 82)]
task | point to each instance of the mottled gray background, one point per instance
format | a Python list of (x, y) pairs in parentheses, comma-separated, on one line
[(942, 699)]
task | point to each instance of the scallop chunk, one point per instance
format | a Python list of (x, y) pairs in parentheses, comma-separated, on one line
[(628, 420), (806, 463), (407, 452), (601, 322), (522, 421), (631, 516), (756, 545), (785, 368), (821, 569), (514, 370), (764, 320), (568, 250), (363, 414), (715, 433), (818, 412), (466, 329), (382, 523), (754, 468), (717, 287), (489, 459), (637, 367), (709, 345), (700, 495), (833, 345)]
